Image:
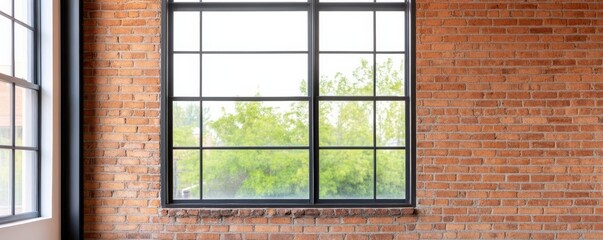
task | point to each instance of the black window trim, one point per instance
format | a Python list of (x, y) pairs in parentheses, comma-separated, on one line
[(35, 86), (313, 8)]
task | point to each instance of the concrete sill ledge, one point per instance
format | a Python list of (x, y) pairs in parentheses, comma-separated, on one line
[(288, 212)]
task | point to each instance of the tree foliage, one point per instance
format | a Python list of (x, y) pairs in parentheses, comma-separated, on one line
[(282, 174)]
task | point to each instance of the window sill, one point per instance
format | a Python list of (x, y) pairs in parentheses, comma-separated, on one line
[(288, 212), (23, 222)]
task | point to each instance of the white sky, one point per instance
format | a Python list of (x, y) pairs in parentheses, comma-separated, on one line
[(272, 74), (255, 31), (23, 41), (5, 46), (23, 9)]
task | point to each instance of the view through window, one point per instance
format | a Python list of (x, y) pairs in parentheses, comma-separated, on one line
[(287, 103), (19, 99)]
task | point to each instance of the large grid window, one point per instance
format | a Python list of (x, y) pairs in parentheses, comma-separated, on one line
[(19, 111), (287, 103)]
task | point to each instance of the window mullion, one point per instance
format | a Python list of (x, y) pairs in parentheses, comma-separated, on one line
[(19, 82), (313, 91), (13, 144), (409, 89), (239, 6), (201, 105), (374, 105), (12, 29)]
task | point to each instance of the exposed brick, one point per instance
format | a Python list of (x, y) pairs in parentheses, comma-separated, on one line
[(509, 131)]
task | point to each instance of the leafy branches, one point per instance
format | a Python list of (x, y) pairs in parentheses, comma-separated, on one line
[(284, 174)]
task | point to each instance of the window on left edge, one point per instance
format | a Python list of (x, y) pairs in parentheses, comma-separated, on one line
[(19, 111)]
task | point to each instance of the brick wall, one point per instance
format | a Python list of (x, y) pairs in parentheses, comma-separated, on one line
[(510, 130)]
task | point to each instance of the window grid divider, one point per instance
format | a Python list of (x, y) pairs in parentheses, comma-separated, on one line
[(13, 140), (374, 103), (201, 106)]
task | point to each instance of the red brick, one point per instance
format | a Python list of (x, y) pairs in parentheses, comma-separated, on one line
[(508, 129)]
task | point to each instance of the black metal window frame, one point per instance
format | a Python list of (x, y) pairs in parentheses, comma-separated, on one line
[(313, 7), (33, 85)]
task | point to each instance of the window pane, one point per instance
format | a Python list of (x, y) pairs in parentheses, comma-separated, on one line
[(24, 67), (186, 31), (5, 182), (25, 181), (346, 31), (255, 31), (6, 45), (346, 174), (254, 0), (26, 120), (346, 0), (390, 31), (186, 72), (391, 174), (390, 75), (186, 174), (256, 124), (5, 116), (24, 11), (255, 174), (346, 123), (6, 7), (346, 74), (391, 123), (255, 75), (186, 123)]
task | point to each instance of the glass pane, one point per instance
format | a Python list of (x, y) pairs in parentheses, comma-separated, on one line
[(391, 174), (346, 31), (254, 0), (255, 174), (25, 181), (26, 117), (256, 31), (186, 0), (186, 31), (187, 70), (24, 67), (6, 7), (391, 123), (24, 11), (346, 74), (346, 123), (5, 183), (346, 0), (390, 31), (256, 124), (255, 75), (186, 123), (5, 116), (186, 174), (6, 46), (390, 75), (346, 174)]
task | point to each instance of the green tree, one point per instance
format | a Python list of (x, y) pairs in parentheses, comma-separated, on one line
[(186, 168), (258, 173), (254, 174)]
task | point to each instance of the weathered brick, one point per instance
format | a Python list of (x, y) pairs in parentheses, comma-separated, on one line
[(509, 136)]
